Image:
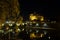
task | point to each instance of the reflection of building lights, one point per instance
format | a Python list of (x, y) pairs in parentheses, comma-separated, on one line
[(34, 22), (7, 21), (10, 21), (19, 29), (13, 22), (30, 23), (42, 18), (25, 23), (32, 35), (53, 21), (37, 31), (44, 24), (10, 24), (1, 31), (45, 32), (27, 32), (2, 24), (11, 30), (37, 24), (49, 37), (22, 23), (7, 28), (30, 30), (23, 29), (18, 24), (41, 35)]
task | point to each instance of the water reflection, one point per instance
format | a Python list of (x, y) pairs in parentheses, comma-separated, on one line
[(30, 32)]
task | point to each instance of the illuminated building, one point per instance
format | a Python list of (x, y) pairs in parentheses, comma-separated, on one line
[(36, 17), (33, 17)]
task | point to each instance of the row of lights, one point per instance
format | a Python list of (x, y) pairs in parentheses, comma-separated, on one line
[(32, 35), (18, 24), (11, 30)]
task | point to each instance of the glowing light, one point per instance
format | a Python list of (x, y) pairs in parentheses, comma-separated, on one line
[(49, 37), (18, 24), (32, 35), (37, 24), (2, 24), (18, 29), (42, 18), (7, 28), (23, 29), (10, 21), (41, 35), (10, 24), (44, 24), (25, 23), (22, 23), (7, 21), (33, 17), (13, 22), (37, 31), (10, 30)]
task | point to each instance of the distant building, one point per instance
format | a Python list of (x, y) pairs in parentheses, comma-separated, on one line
[(36, 17)]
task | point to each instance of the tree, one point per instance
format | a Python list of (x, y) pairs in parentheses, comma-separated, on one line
[(8, 9)]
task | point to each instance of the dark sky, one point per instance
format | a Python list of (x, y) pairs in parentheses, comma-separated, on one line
[(41, 7)]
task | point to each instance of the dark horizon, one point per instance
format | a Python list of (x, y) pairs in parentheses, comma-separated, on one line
[(40, 7)]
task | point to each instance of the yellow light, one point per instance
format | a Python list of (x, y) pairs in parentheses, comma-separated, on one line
[(32, 35), (41, 35), (2, 24), (42, 18), (18, 24), (17, 30), (33, 17), (10, 24), (7, 28)]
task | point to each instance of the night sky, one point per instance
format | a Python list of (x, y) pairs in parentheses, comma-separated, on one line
[(41, 7)]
